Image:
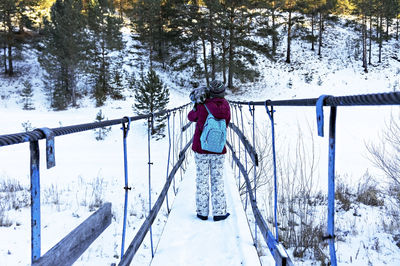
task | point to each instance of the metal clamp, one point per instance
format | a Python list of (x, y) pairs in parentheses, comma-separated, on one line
[(251, 110), (126, 127), (327, 237), (50, 157), (320, 114)]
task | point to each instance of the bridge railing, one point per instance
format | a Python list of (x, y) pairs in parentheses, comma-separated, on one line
[(277, 250), (76, 242)]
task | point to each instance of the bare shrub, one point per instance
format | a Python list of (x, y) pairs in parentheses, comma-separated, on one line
[(264, 170), (10, 185), (97, 193), (386, 154), (343, 195), (4, 220), (368, 192), (52, 196), (300, 228), (13, 195)]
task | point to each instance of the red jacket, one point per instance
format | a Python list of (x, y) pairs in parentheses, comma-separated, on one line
[(219, 108)]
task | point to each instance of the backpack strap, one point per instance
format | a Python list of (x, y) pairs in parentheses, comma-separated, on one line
[(208, 110)]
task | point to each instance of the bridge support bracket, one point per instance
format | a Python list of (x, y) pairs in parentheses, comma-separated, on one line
[(320, 114), (50, 156)]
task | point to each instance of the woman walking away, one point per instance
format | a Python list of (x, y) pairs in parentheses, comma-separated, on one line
[(210, 165)]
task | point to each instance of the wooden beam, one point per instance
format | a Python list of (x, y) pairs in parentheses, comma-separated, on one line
[(250, 149), (71, 247)]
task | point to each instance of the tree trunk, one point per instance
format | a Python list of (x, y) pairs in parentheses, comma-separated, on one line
[(288, 37), (370, 40), (10, 62), (231, 37), (151, 52), (10, 44), (320, 33), (224, 57), (212, 47), (120, 9), (387, 29), (312, 31), (397, 27), (103, 69), (273, 34), (212, 51), (380, 39), (205, 60), (364, 43), (5, 58)]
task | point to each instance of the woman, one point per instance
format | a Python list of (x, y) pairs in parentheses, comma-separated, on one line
[(210, 164)]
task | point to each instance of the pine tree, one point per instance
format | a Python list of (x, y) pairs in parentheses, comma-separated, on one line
[(148, 20), (106, 37), (62, 52), (238, 24), (27, 94), (102, 132), (312, 8), (151, 97), (13, 16), (290, 7)]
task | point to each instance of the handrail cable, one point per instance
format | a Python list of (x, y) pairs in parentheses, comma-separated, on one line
[(34, 135), (389, 98)]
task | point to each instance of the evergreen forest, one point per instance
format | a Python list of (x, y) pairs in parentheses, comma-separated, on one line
[(81, 47)]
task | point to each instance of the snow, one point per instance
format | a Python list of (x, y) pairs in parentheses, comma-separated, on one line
[(226, 242), (86, 169)]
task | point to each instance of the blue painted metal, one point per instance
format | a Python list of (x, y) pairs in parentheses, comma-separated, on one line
[(230, 136), (237, 121), (245, 152), (150, 126), (173, 149), (320, 114), (181, 139), (252, 111), (50, 157), (271, 117), (331, 185), (35, 202), (169, 156), (125, 129)]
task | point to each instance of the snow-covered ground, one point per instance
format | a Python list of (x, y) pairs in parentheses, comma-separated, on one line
[(227, 242), (87, 169)]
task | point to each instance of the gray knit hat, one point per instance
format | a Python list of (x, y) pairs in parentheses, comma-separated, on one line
[(217, 89)]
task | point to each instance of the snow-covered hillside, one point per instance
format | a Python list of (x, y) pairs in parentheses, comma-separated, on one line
[(88, 170)]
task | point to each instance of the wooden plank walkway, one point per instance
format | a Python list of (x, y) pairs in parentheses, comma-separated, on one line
[(187, 240)]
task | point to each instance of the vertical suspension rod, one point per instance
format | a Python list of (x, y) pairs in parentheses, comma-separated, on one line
[(150, 127), (271, 117), (173, 147), (125, 130), (181, 138), (35, 202), (237, 121), (169, 155), (252, 112), (245, 153)]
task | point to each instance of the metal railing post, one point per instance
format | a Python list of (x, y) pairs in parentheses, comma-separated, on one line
[(35, 201), (125, 130), (331, 185)]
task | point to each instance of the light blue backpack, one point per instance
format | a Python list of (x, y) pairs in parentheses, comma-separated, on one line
[(213, 137)]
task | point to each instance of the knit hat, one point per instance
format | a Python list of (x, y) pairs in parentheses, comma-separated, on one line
[(217, 89)]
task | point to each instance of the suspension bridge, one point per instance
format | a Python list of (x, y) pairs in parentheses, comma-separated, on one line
[(182, 231)]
